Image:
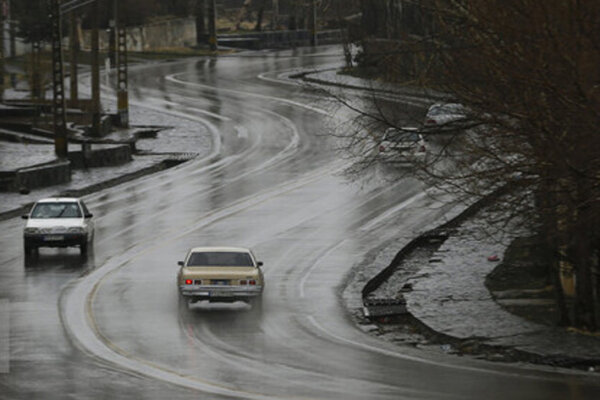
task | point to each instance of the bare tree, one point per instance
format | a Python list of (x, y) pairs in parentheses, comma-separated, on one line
[(527, 75)]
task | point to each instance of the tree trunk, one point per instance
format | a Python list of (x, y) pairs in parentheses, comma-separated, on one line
[(582, 244), (36, 81), (200, 25), (74, 59), (259, 16), (546, 206), (243, 13), (275, 15), (212, 25)]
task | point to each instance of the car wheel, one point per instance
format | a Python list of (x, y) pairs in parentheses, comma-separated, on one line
[(184, 303), (256, 303), (83, 247), (29, 249)]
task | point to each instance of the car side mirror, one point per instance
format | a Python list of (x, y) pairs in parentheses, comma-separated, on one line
[(180, 263), (259, 264), (88, 215), (25, 216)]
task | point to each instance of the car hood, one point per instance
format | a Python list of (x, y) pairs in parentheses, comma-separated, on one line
[(53, 222), (220, 273)]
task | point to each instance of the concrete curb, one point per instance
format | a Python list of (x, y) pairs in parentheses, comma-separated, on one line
[(313, 77), (441, 230), (165, 164), (535, 357)]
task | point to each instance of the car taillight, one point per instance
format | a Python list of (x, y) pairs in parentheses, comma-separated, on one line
[(423, 149), (430, 122), (381, 148), (251, 282), (189, 281), (243, 282)]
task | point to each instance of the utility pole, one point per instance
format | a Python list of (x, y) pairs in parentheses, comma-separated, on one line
[(212, 25), (74, 51), (112, 39), (121, 59), (275, 17), (2, 19), (313, 23), (200, 25), (36, 90), (293, 17), (12, 31), (95, 71), (58, 108)]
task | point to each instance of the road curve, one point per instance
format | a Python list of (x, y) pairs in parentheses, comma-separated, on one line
[(276, 185)]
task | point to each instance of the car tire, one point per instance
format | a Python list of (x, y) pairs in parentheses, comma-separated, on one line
[(184, 303), (256, 303), (29, 249), (83, 247)]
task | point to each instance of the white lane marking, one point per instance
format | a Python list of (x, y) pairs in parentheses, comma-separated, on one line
[(180, 106), (196, 110), (210, 114), (241, 131), (289, 150), (216, 140), (283, 75), (280, 80), (211, 127), (402, 356), (284, 78), (172, 78), (314, 266), (76, 319), (395, 354), (76, 313), (392, 211), (399, 207)]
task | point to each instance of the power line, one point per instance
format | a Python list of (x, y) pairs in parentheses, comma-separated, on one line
[(73, 5)]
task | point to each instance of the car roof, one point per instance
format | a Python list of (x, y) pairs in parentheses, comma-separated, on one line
[(403, 129), (59, 199), (448, 106), (217, 249)]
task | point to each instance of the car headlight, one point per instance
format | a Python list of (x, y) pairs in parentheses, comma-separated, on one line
[(76, 229), (32, 230)]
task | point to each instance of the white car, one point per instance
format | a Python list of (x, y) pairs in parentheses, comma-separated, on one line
[(440, 114), (58, 222), (402, 145)]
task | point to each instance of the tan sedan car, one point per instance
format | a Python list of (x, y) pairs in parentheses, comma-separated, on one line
[(221, 274)]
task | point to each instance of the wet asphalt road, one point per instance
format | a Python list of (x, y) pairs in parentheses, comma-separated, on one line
[(274, 184)]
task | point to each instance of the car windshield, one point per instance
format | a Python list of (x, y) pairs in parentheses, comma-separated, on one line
[(56, 210), (444, 109), (220, 259), (400, 136)]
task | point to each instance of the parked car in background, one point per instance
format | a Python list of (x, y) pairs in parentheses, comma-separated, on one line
[(402, 145), (221, 274), (58, 222), (440, 114)]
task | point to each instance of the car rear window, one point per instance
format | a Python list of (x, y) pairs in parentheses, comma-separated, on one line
[(220, 259), (399, 136), (56, 210)]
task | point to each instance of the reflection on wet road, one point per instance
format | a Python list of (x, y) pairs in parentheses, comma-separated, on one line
[(110, 325)]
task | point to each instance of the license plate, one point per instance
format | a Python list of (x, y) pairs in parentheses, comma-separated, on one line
[(218, 293), (220, 282), (54, 238)]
